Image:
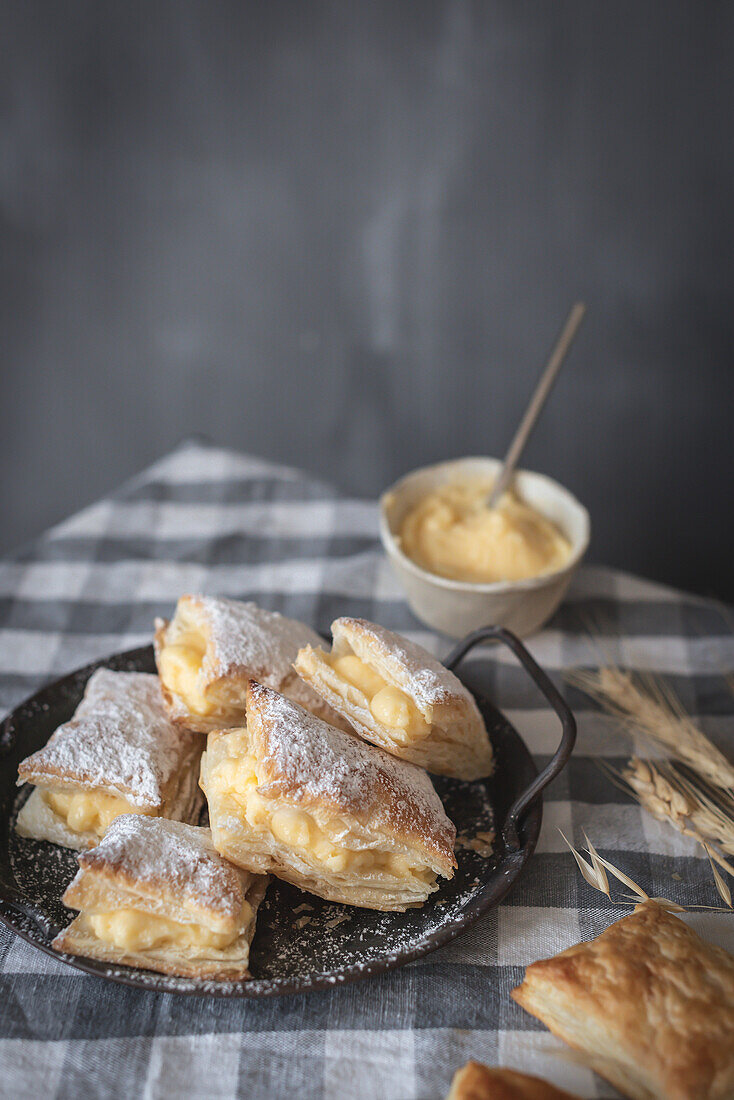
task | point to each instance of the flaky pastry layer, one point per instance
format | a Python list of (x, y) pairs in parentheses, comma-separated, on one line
[(648, 1003)]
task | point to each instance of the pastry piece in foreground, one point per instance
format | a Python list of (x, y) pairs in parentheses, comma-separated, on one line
[(477, 1082), (321, 809), (156, 894), (119, 754), (213, 646), (648, 1003), (396, 695)]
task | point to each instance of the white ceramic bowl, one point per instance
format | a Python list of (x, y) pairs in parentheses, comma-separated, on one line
[(456, 607)]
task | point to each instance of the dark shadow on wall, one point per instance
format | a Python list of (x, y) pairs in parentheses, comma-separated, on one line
[(343, 236)]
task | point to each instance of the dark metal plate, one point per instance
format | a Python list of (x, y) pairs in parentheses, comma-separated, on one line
[(302, 943)]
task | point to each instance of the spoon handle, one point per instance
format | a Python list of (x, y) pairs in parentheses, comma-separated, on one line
[(537, 401)]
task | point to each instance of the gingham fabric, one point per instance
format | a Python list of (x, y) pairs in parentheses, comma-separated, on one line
[(209, 520)]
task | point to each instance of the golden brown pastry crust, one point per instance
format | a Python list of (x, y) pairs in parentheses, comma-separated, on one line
[(164, 869), (241, 642), (454, 742), (475, 1081), (648, 1002), (359, 799)]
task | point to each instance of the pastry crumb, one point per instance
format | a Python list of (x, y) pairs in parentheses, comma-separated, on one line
[(482, 843), (337, 920)]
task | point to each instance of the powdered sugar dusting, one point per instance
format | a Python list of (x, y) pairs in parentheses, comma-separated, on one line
[(150, 850), (430, 682), (119, 739), (263, 644), (315, 761)]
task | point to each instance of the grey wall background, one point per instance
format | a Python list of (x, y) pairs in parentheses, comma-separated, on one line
[(343, 235)]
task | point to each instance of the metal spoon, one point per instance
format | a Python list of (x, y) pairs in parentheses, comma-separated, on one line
[(537, 401)]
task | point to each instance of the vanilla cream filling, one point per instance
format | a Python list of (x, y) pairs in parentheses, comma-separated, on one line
[(89, 811), (388, 705), (132, 930), (180, 668), (451, 532), (237, 779)]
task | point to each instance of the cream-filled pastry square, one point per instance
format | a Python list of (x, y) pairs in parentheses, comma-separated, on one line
[(119, 754), (213, 646), (156, 894), (398, 696), (315, 806)]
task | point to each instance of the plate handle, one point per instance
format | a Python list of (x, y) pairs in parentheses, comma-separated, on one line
[(568, 739)]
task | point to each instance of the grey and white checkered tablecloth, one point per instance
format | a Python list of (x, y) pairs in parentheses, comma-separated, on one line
[(209, 520)]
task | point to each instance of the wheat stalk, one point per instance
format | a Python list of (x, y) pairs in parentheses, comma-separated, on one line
[(594, 872), (669, 796), (648, 706)]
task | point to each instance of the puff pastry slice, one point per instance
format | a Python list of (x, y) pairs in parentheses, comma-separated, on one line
[(398, 696), (156, 894), (477, 1082), (648, 1003), (321, 809), (119, 754), (213, 646)]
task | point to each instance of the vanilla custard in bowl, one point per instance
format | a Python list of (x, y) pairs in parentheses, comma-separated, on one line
[(451, 533)]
